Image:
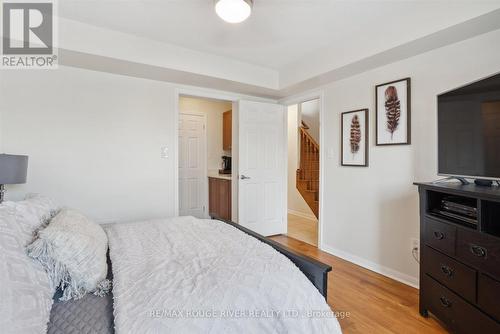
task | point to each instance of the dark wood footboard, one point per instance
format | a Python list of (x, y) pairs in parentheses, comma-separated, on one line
[(315, 271)]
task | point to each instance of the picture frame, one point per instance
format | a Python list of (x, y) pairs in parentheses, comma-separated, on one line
[(354, 138), (393, 113)]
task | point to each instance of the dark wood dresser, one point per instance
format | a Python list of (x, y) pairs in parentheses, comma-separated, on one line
[(460, 261)]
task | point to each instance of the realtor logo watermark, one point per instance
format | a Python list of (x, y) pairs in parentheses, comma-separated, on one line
[(28, 30)]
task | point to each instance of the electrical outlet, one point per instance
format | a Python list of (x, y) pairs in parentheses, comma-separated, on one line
[(415, 247), (164, 152), (415, 243), (330, 153)]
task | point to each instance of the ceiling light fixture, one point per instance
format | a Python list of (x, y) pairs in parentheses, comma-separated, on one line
[(233, 11)]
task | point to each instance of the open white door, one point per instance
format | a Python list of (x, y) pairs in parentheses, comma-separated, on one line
[(262, 160)]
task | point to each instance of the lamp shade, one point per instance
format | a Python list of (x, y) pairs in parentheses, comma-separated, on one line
[(13, 168)]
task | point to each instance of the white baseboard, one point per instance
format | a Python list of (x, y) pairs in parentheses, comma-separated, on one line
[(370, 265), (302, 214)]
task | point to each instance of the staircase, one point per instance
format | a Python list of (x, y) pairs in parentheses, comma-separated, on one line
[(308, 173)]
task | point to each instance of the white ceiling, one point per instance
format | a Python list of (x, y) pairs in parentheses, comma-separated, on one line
[(280, 32)]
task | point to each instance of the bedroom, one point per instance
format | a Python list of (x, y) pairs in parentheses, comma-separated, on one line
[(101, 134)]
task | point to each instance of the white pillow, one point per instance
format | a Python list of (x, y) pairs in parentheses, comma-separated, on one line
[(72, 249), (26, 292), (31, 214)]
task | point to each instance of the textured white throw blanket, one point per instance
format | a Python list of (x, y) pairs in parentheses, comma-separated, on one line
[(186, 275)]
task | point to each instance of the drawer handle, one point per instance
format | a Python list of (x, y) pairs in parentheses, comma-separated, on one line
[(438, 235), (445, 302), (478, 250), (447, 270)]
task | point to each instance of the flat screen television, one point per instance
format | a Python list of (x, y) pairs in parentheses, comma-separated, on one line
[(469, 130)]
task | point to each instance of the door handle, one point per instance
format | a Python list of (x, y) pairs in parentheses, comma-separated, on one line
[(243, 177)]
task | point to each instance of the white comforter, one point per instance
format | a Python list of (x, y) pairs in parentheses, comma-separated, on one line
[(186, 275)]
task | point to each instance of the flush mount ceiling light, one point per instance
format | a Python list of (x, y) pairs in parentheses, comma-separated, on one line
[(233, 11)]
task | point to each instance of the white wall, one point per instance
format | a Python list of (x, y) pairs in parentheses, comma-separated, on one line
[(309, 113), (296, 203), (94, 140), (214, 110), (370, 214)]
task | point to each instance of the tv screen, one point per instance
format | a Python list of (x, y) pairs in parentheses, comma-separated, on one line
[(469, 130)]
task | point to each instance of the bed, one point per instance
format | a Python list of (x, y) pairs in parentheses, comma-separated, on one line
[(212, 265)]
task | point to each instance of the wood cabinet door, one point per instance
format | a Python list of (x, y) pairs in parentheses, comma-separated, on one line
[(227, 124), (219, 198), (225, 199), (213, 195)]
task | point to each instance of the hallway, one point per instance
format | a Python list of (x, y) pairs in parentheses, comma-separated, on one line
[(303, 229)]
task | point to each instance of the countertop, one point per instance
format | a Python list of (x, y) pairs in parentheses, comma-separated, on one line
[(215, 174)]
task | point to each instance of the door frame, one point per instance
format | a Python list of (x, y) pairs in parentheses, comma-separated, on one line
[(205, 171), (207, 93), (297, 99)]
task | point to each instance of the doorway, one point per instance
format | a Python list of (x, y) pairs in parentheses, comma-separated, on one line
[(258, 172), (204, 157), (303, 171)]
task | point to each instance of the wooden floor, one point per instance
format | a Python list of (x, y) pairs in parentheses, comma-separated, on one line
[(376, 304), (303, 229)]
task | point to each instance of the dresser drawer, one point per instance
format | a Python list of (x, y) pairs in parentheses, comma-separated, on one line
[(453, 274), (479, 250), (440, 236), (488, 296), (456, 312)]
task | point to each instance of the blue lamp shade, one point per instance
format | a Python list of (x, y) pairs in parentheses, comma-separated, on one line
[(13, 168)]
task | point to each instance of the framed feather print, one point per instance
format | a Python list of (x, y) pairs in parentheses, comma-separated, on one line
[(354, 134), (393, 113)]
